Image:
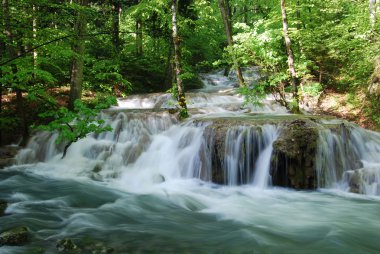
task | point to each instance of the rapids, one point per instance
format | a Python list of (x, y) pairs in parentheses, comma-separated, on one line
[(146, 187)]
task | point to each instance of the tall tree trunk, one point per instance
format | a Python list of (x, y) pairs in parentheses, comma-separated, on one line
[(77, 64), (226, 16), (170, 77), (177, 62), (139, 36), (372, 12), (34, 29), (116, 12), (10, 48), (292, 70)]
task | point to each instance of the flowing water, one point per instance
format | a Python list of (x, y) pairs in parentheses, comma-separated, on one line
[(146, 186)]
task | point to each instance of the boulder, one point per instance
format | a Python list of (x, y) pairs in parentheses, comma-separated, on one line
[(67, 245), (14, 236), (293, 157)]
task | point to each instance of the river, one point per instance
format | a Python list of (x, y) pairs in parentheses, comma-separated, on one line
[(141, 188)]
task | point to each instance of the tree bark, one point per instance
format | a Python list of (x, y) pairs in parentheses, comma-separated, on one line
[(34, 29), (177, 61), (226, 16), (170, 77), (116, 12), (77, 64), (292, 69), (139, 36), (372, 12), (10, 49)]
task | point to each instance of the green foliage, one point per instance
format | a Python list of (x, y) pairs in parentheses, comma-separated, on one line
[(313, 89), (8, 123), (254, 94), (183, 113), (74, 125)]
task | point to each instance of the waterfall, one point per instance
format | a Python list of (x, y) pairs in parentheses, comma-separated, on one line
[(349, 158), (247, 155), (149, 146)]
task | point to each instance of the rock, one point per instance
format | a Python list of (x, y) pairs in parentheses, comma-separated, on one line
[(98, 248), (14, 236), (363, 180), (374, 87), (158, 178), (293, 157), (98, 167), (3, 206), (66, 244), (7, 154), (6, 162)]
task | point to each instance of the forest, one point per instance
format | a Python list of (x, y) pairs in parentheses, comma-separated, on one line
[(54, 52)]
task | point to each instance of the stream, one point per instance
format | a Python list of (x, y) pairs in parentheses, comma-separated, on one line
[(146, 187)]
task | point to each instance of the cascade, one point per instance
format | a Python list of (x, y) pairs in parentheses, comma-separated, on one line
[(150, 145), (348, 157)]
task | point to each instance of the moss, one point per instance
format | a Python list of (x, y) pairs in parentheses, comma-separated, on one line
[(14, 236), (294, 155)]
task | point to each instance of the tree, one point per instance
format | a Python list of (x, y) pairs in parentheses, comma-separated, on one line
[(12, 53), (139, 35), (78, 47), (226, 16), (372, 12), (292, 70), (116, 12), (177, 62), (73, 125)]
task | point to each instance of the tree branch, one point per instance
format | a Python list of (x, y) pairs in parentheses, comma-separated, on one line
[(57, 39)]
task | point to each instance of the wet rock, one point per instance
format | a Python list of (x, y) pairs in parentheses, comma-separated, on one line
[(158, 178), (6, 162), (3, 206), (363, 180), (98, 167), (7, 154), (293, 158), (67, 245), (85, 246), (98, 248), (14, 236)]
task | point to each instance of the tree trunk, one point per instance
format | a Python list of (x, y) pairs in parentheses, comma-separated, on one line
[(177, 62), (10, 49), (139, 36), (34, 29), (77, 64), (372, 13), (225, 11), (170, 77), (116, 11), (292, 70)]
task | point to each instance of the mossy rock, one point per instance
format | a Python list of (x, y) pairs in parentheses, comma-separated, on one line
[(293, 158), (14, 236), (67, 245), (84, 246), (3, 206)]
